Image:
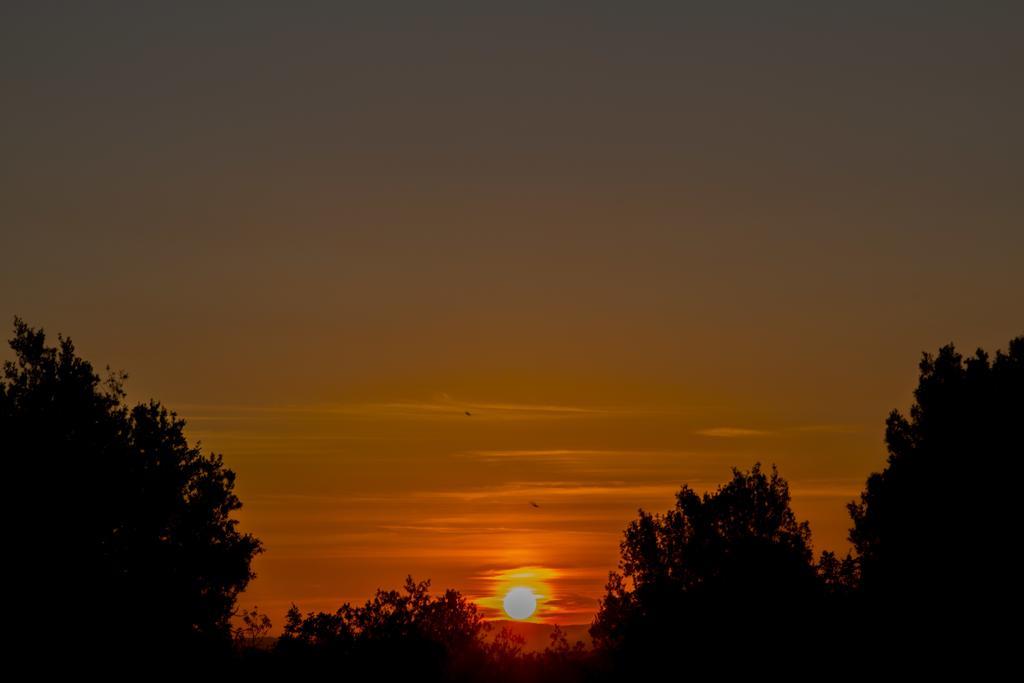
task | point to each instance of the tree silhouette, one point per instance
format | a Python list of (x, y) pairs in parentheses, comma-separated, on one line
[(734, 562), (119, 515), (928, 529), (254, 628)]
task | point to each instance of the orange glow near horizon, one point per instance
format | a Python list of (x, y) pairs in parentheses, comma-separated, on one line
[(538, 581), (515, 495)]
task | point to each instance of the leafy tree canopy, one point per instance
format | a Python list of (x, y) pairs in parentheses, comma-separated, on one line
[(736, 553), (925, 526), (121, 517)]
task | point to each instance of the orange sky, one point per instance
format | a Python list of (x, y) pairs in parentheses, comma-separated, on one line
[(348, 497), (639, 244)]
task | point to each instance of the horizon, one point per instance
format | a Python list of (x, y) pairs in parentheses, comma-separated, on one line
[(462, 538)]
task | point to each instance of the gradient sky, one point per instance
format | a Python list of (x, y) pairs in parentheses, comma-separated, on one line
[(640, 242)]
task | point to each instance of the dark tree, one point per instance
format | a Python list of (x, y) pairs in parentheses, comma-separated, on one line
[(734, 564), (931, 528), (120, 518), (253, 631)]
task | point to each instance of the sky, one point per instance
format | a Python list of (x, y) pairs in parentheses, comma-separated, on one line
[(640, 243)]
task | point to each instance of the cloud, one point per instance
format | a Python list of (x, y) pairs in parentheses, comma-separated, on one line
[(443, 407), (837, 488), (732, 432), (540, 454), (747, 432), (557, 490), (573, 455)]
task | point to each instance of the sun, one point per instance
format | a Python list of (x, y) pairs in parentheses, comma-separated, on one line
[(519, 593), (520, 603)]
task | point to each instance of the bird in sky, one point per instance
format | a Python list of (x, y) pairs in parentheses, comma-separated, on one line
[(468, 414), (534, 504)]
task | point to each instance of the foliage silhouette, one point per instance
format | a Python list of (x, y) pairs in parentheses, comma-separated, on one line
[(412, 634), (253, 631), (925, 527), (407, 632), (732, 561), (128, 522)]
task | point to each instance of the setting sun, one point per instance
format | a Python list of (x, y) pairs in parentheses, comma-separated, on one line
[(522, 594), (520, 603)]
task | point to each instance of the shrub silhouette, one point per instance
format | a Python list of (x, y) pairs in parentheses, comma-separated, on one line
[(407, 632), (121, 517), (412, 635)]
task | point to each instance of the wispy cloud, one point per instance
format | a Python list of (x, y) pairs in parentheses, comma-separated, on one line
[(732, 432), (570, 454), (443, 407), (567, 454), (833, 488), (748, 432), (557, 490)]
